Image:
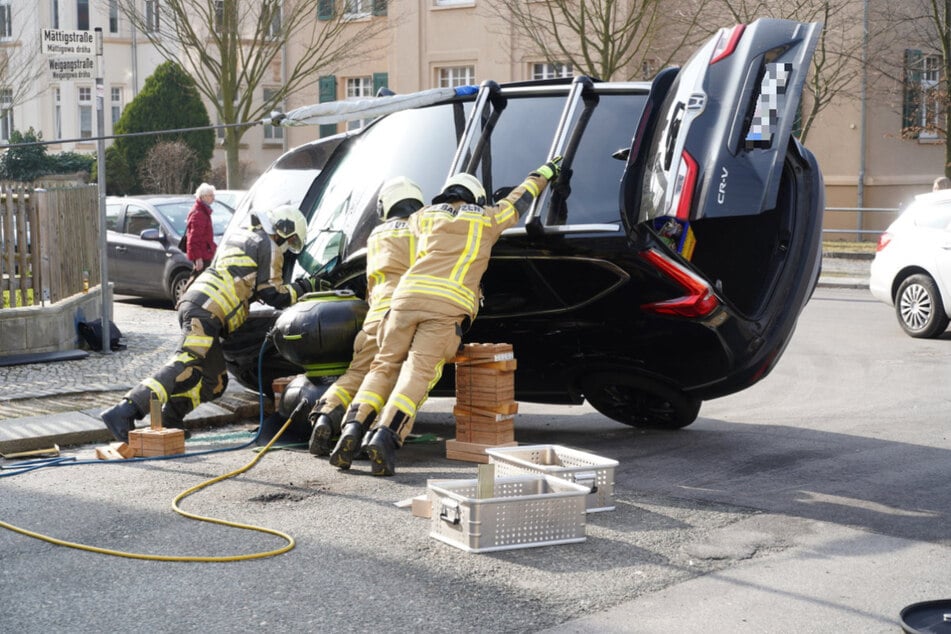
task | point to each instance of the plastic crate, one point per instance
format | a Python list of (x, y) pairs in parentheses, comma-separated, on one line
[(580, 467), (525, 511)]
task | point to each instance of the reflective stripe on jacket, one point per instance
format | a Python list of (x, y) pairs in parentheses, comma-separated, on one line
[(248, 266), (455, 242), (391, 249)]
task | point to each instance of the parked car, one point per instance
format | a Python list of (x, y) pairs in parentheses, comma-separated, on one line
[(230, 197), (142, 239), (912, 266), (667, 267)]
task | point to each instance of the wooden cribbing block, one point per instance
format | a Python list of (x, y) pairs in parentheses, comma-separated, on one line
[(114, 451), (471, 452), (485, 353), (156, 440)]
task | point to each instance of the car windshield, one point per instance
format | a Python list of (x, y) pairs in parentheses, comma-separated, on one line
[(177, 214)]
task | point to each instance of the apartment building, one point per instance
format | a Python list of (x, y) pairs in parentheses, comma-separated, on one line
[(431, 43)]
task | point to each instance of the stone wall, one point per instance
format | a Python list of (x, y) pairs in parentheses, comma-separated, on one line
[(52, 328)]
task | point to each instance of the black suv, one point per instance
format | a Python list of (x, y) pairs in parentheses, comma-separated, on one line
[(668, 265)]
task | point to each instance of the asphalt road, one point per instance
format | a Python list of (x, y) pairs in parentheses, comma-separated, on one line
[(815, 501)]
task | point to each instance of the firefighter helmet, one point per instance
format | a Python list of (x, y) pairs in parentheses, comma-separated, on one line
[(462, 186), (399, 197), (288, 223)]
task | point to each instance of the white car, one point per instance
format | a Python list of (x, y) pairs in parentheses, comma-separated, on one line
[(912, 266)]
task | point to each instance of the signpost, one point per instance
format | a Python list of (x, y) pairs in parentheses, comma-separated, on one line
[(77, 55)]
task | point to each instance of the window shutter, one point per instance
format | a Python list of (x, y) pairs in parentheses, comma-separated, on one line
[(327, 91), (379, 7), (911, 104), (325, 9), (379, 82)]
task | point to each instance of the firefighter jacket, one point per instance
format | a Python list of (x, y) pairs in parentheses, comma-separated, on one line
[(248, 266), (455, 241), (391, 249)]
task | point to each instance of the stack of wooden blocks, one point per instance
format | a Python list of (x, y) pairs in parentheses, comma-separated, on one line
[(156, 440), (485, 401)]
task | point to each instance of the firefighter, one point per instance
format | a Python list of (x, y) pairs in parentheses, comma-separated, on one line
[(248, 266), (391, 249), (433, 305)]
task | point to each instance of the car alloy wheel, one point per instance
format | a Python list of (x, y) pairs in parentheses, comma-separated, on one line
[(639, 401), (178, 285), (919, 308)]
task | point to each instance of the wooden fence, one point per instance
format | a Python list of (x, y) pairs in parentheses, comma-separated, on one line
[(49, 243)]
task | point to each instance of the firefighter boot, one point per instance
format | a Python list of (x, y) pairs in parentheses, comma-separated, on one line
[(120, 419), (382, 452), (350, 436), (326, 426)]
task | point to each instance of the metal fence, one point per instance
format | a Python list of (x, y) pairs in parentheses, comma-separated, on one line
[(48, 243), (867, 222)]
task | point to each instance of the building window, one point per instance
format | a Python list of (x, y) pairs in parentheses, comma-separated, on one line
[(57, 114), (355, 9), (271, 16), (6, 21), (116, 104), (449, 3), (550, 71), (152, 15), (452, 76), (54, 10), (273, 133), (922, 104), (82, 15), (85, 112), (113, 16), (219, 14), (358, 88), (6, 113)]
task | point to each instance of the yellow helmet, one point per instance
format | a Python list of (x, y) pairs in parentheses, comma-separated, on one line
[(288, 223), (399, 197)]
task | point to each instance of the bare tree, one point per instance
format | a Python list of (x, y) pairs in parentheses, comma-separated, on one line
[(167, 167), (914, 53), (21, 64), (607, 39), (837, 62), (233, 47)]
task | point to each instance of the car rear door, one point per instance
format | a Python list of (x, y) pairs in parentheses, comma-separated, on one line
[(140, 264), (714, 138)]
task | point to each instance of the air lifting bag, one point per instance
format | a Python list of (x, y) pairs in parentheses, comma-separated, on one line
[(319, 330)]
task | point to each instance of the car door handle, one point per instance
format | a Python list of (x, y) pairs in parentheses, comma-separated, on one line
[(121, 249)]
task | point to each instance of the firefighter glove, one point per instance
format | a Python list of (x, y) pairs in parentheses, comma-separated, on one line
[(551, 169), (307, 284)]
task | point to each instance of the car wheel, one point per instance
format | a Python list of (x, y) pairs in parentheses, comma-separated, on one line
[(639, 401), (919, 308), (178, 285)]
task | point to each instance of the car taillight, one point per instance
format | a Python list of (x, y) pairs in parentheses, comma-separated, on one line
[(883, 241), (726, 43), (699, 300), (684, 185)]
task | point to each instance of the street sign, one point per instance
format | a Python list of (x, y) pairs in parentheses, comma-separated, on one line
[(67, 43), (71, 53)]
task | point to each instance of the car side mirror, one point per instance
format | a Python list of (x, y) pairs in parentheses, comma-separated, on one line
[(151, 234)]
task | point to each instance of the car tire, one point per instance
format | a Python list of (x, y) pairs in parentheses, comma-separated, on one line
[(639, 401), (919, 308), (178, 285)]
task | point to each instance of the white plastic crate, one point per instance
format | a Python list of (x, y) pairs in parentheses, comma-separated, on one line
[(525, 511), (580, 467)]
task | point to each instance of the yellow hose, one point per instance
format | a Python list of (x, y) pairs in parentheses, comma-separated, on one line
[(118, 553)]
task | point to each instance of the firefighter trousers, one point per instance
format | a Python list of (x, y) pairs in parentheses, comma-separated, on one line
[(340, 394), (195, 374), (414, 347)]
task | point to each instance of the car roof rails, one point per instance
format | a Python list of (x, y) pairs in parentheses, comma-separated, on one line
[(568, 135)]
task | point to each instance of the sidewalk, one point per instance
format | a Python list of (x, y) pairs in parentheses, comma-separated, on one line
[(42, 404)]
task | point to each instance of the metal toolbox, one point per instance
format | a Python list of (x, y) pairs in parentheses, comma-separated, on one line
[(522, 512), (580, 467)]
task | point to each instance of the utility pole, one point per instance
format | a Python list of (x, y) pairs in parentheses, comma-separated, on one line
[(101, 169)]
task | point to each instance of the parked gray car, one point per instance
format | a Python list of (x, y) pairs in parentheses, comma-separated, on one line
[(142, 243)]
